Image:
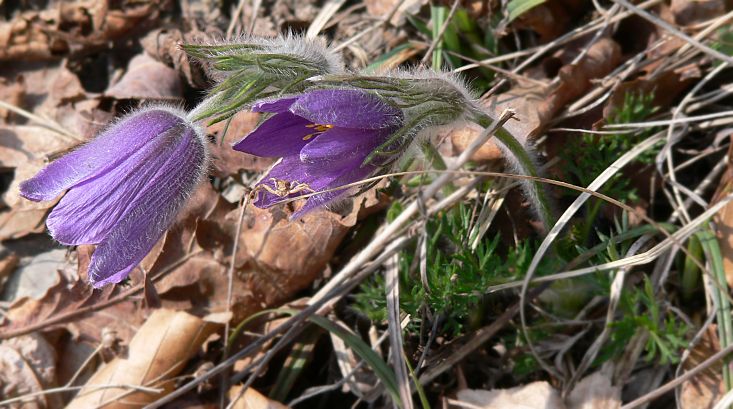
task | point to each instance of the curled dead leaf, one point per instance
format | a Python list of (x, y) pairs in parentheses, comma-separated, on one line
[(147, 78)]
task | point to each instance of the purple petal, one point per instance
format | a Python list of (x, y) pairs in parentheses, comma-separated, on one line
[(89, 210), (104, 152), (276, 106), (347, 108), (339, 144), (151, 213), (281, 135)]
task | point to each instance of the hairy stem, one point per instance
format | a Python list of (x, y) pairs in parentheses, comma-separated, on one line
[(523, 161)]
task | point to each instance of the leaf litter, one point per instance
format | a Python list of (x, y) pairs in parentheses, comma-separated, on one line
[(77, 65)]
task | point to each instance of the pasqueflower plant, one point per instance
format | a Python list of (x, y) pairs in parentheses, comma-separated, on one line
[(329, 128)]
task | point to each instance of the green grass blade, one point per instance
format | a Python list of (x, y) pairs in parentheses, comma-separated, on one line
[(516, 8), (710, 246)]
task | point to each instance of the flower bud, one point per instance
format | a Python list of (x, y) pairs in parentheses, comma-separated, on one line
[(124, 188), (253, 68), (426, 99)]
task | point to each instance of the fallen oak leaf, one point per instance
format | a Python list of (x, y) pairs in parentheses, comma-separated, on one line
[(28, 365), (17, 223), (62, 297), (595, 391), (536, 395), (74, 27), (703, 390), (225, 160), (147, 78), (24, 149), (165, 46), (158, 352), (535, 106), (284, 256)]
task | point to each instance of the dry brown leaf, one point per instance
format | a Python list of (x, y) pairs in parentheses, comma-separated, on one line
[(35, 274), (165, 46), (12, 93), (595, 392), (687, 12), (535, 107), (592, 392), (461, 138), (549, 19), (147, 78), (58, 299), (66, 87), (703, 390), (286, 256), (536, 395), (47, 88), (672, 82), (380, 8), (276, 244), (225, 160), (276, 257), (58, 296), (157, 353), (74, 27), (27, 365), (25, 148), (7, 266), (251, 399), (16, 223)]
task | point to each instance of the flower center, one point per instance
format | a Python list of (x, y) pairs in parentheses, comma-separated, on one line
[(318, 128)]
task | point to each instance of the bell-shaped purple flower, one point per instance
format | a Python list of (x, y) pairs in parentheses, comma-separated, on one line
[(325, 139), (125, 188)]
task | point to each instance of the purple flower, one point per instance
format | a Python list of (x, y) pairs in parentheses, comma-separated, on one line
[(324, 138), (125, 188)]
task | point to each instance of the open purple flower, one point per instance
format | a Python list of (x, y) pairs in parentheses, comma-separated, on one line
[(324, 138), (124, 188)]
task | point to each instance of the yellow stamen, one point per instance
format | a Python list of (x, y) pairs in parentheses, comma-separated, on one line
[(319, 129)]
